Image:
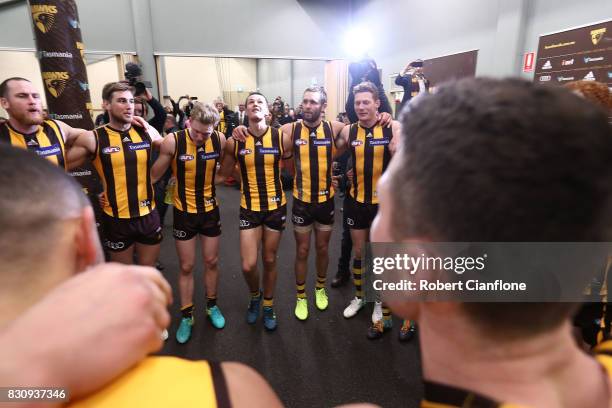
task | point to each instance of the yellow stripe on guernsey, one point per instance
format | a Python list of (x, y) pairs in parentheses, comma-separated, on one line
[(123, 161), (195, 168), (259, 160), (158, 382), (47, 141), (314, 150), (371, 155)]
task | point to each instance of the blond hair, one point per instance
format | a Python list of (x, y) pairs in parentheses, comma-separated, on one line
[(205, 113)]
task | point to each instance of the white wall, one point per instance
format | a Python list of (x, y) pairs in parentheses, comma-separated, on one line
[(191, 76), (273, 28), (407, 30), (274, 78), (21, 64), (306, 72)]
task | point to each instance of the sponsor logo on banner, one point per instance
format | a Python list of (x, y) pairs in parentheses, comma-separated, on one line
[(44, 17), (590, 76), (55, 82), (111, 150), (322, 142), (268, 150), (54, 54), (566, 63), (186, 157), (592, 59), (71, 116), (563, 79), (545, 78), (547, 65), (559, 45), (209, 156), (356, 143), (84, 85), (139, 146), (301, 142), (73, 23), (244, 152), (52, 150), (597, 35), (81, 47)]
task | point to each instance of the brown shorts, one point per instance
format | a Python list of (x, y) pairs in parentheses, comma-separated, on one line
[(120, 233), (188, 225), (274, 219)]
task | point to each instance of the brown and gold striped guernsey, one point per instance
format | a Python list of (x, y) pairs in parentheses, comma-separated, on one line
[(195, 168), (123, 161), (259, 159), (313, 149), (371, 155), (47, 141)]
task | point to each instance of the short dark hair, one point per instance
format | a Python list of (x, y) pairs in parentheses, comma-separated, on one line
[(487, 160), (112, 87), (320, 90), (4, 85), (255, 93)]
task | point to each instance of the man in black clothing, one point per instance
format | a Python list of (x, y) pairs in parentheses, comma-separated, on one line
[(365, 70), (413, 81)]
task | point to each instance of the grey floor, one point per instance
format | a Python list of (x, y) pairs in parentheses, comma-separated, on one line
[(322, 362)]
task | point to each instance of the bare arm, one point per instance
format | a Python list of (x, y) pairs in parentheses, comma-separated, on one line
[(80, 144), (395, 140), (287, 142), (228, 162), (166, 152), (247, 388), (156, 138), (337, 128), (222, 141)]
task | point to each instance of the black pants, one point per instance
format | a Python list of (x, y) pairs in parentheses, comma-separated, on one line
[(346, 246)]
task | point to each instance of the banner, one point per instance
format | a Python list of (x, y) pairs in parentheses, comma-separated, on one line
[(60, 51)]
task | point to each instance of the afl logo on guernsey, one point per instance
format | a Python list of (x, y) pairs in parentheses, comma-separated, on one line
[(356, 143), (301, 142), (185, 157), (139, 146), (244, 152), (111, 150)]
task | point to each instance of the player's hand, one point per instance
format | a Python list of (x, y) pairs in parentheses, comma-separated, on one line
[(102, 200), (88, 330), (385, 119), (139, 121), (336, 181), (240, 133)]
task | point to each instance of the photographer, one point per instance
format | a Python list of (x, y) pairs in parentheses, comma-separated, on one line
[(413, 81), (365, 70)]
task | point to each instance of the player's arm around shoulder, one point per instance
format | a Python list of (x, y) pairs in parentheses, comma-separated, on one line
[(166, 152), (287, 141)]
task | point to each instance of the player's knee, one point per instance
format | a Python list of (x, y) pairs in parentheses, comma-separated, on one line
[(248, 267), (302, 251), (322, 248), (186, 267), (210, 261), (269, 261)]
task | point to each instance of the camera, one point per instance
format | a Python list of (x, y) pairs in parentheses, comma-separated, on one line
[(133, 72)]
